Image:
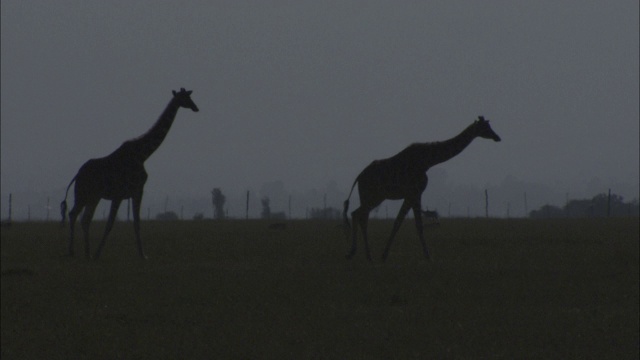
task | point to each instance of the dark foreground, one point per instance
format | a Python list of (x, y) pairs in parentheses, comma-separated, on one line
[(239, 290)]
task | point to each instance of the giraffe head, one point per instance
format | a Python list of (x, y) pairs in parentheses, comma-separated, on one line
[(484, 130), (183, 98)]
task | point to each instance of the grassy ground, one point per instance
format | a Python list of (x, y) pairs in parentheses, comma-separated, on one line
[(236, 289)]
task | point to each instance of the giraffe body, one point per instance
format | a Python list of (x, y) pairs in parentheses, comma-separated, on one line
[(403, 176), (120, 175), (111, 177)]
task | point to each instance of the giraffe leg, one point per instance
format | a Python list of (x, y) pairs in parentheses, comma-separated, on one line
[(364, 224), (396, 226), (86, 221), (360, 217), (355, 216), (417, 214), (115, 204), (73, 216), (135, 204)]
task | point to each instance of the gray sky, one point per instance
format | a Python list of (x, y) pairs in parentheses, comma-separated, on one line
[(309, 92)]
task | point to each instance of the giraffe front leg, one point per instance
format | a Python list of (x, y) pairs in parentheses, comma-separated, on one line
[(396, 226), (135, 204)]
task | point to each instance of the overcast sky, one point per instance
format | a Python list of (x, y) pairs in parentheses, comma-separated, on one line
[(309, 92)]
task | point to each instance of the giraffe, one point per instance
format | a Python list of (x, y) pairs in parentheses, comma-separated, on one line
[(403, 176), (119, 176)]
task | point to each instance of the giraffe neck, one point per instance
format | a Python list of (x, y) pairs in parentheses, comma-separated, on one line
[(149, 142), (439, 152)]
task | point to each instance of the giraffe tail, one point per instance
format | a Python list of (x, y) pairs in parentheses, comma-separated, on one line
[(63, 204)]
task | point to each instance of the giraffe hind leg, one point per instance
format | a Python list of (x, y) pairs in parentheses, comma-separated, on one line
[(87, 216), (73, 216), (364, 223), (396, 226), (115, 204), (354, 234), (360, 218)]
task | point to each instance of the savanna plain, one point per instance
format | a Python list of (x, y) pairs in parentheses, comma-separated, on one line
[(494, 288)]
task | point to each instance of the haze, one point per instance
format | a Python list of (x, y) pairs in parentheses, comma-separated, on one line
[(301, 96)]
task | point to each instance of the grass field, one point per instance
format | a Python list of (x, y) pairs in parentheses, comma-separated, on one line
[(238, 290)]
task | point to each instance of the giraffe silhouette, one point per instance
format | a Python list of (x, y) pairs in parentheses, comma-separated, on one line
[(118, 176), (403, 176)]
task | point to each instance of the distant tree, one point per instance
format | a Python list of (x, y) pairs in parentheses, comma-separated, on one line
[(198, 216), (598, 206), (547, 211), (218, 200), (579, 208), (266, 210), (167, 215), (615, 205), (431, 215)]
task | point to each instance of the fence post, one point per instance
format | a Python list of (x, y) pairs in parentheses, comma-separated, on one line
[(10, 201), (486, 203), (247, 211)]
